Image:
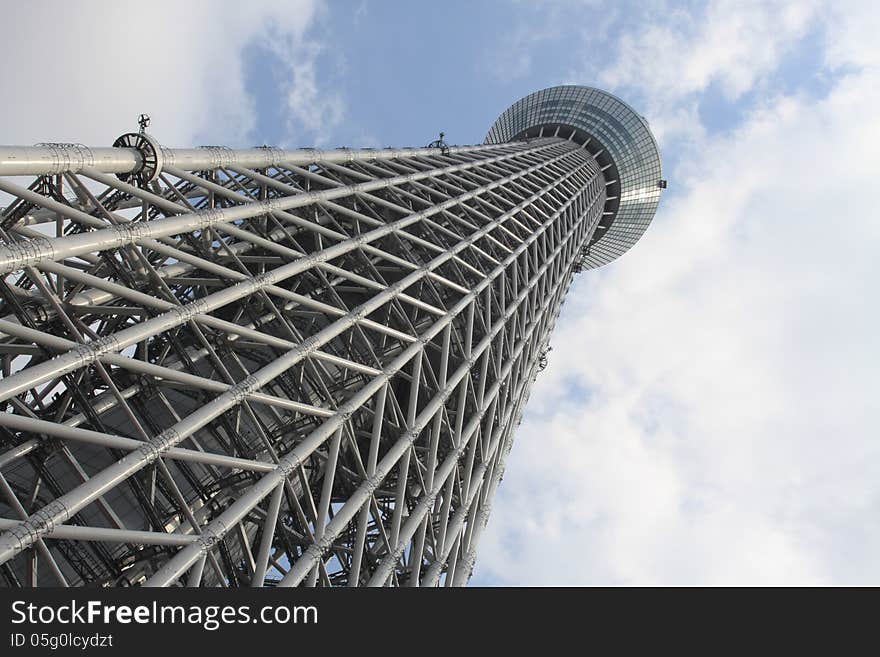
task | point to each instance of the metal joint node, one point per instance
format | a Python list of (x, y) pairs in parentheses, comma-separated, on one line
[(167, 438), (105, 345), (220, 156), (46, 519), (274, 155), (194, 309), (307, 345), (207, 541), (287, 466), (261, 280), (207, 218), (131, 232), (240, 390), (152, 156), (21, 254), (154, 448), (323, 545), (85, 354), (23, 534), (67, 156)]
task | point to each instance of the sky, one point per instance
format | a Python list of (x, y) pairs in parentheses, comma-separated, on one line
[(710, 413)]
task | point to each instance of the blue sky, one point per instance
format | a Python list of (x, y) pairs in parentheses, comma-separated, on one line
[(709, 413)]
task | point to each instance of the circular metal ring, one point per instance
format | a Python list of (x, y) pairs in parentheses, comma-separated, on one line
[(151, 156)]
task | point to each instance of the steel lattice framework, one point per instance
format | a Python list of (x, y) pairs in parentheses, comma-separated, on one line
[(266, 367)]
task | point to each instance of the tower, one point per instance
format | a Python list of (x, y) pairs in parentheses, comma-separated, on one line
[(289, 367)]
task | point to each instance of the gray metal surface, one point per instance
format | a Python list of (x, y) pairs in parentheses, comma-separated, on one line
[(267, 367)]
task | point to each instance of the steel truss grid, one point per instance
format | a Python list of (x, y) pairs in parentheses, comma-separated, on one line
[(270, 367)]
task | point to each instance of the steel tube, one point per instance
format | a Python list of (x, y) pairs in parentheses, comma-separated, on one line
[(80, 533), (73, 158)]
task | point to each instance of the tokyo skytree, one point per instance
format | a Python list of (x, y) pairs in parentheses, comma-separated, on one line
[(268, 367)]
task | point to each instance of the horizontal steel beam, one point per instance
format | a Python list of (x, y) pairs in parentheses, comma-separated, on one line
[(78, 533), (74, 158)]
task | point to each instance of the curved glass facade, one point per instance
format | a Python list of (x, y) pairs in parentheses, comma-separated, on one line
[(619, 139)]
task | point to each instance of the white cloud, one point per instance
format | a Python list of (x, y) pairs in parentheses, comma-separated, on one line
[(84, 71), (537, 26), (731, 359), (852, 35), (672, 55), (675, 52), (311, 108)]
